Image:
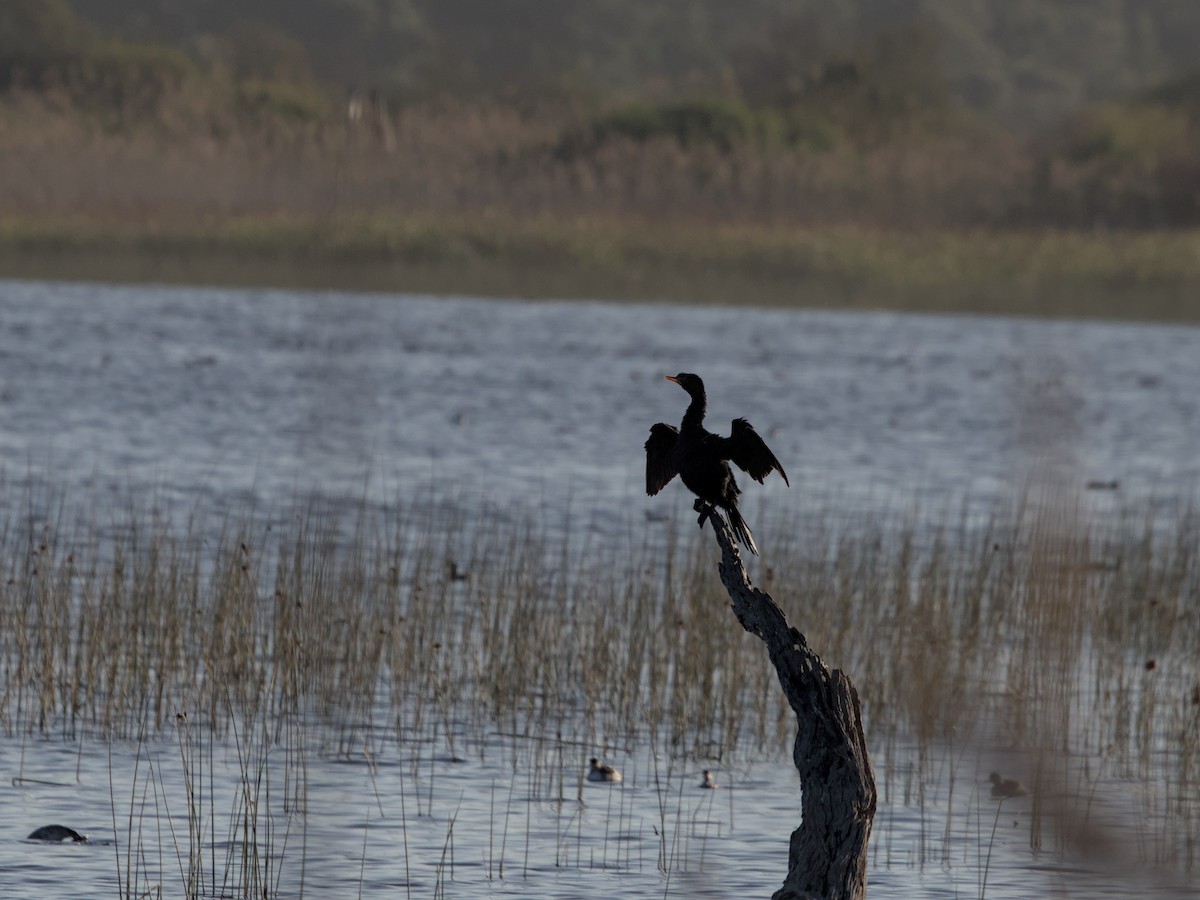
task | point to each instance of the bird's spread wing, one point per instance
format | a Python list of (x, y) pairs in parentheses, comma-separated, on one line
[(750, 453), (659, 450)]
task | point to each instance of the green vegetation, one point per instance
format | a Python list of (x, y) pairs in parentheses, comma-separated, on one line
[(1131, 276), (296, 103), (44, 48), (1133, 164), (818, 161), (720, 123), (1027, 63)]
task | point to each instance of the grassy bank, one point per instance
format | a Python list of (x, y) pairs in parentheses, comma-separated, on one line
[(842, 176), (1136, 275), (558, 201)]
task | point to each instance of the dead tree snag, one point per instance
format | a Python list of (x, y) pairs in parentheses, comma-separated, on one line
[(828, 852)]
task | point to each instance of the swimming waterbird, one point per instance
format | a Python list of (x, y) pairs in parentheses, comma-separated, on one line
[(1003, 788), (603, 772)]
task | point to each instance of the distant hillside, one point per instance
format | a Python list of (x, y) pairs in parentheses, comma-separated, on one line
[(1025, 62)]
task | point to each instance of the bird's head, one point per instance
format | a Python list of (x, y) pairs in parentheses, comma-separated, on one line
[(689, 382)]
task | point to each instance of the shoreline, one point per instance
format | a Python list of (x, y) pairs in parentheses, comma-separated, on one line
[(1130, 276)]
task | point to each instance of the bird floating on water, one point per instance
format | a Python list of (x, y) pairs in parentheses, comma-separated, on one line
[(56, 834), (709, 781), (603, 772), (701, 459), (1002, 788)]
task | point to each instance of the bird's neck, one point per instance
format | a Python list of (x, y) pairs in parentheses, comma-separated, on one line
[(694, 416)]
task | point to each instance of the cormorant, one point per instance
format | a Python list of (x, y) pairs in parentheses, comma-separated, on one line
[(701, 458), (603, 772)]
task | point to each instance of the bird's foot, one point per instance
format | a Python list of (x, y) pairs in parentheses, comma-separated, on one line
[(705, 510)]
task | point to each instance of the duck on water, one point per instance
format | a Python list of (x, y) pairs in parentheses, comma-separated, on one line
[(603, 772)]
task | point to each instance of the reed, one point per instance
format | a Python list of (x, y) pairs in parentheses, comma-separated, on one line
[(1014, 271), (476, 199), (1045, 643)]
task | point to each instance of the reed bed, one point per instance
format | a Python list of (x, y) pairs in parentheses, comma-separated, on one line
[(1058, 647), (480, 200), (467, 160)]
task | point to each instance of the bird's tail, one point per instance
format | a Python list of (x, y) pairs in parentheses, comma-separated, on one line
[(741, 530)]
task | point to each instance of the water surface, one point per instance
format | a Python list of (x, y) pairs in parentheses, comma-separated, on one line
[(224, 401)]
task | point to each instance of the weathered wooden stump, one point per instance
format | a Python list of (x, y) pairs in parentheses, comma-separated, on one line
[(828, 852)]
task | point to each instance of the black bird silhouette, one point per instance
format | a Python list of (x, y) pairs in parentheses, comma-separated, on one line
[(702, 459), (56, 834)]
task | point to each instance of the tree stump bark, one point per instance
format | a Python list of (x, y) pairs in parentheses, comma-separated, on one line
[(827, 857)]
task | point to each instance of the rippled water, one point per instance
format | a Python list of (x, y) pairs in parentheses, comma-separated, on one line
[(416, 823), (221, 393), (220, 400)]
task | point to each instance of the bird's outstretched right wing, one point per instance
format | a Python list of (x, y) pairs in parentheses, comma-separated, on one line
[(660, 448), (751, 453)]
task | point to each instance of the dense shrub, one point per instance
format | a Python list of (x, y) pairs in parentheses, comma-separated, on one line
[(45, 49), (1181, 94), (259, 98), (707, 121), (133, 79), (1134, 164), (1126, 135), (39, 39)]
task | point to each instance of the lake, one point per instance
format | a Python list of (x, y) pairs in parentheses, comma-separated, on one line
[(206, 403)]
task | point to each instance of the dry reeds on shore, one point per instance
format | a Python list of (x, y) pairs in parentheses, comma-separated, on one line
[(469, 160), (479, 200)]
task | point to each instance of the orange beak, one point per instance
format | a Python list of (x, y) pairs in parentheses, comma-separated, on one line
[(671, 378)]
